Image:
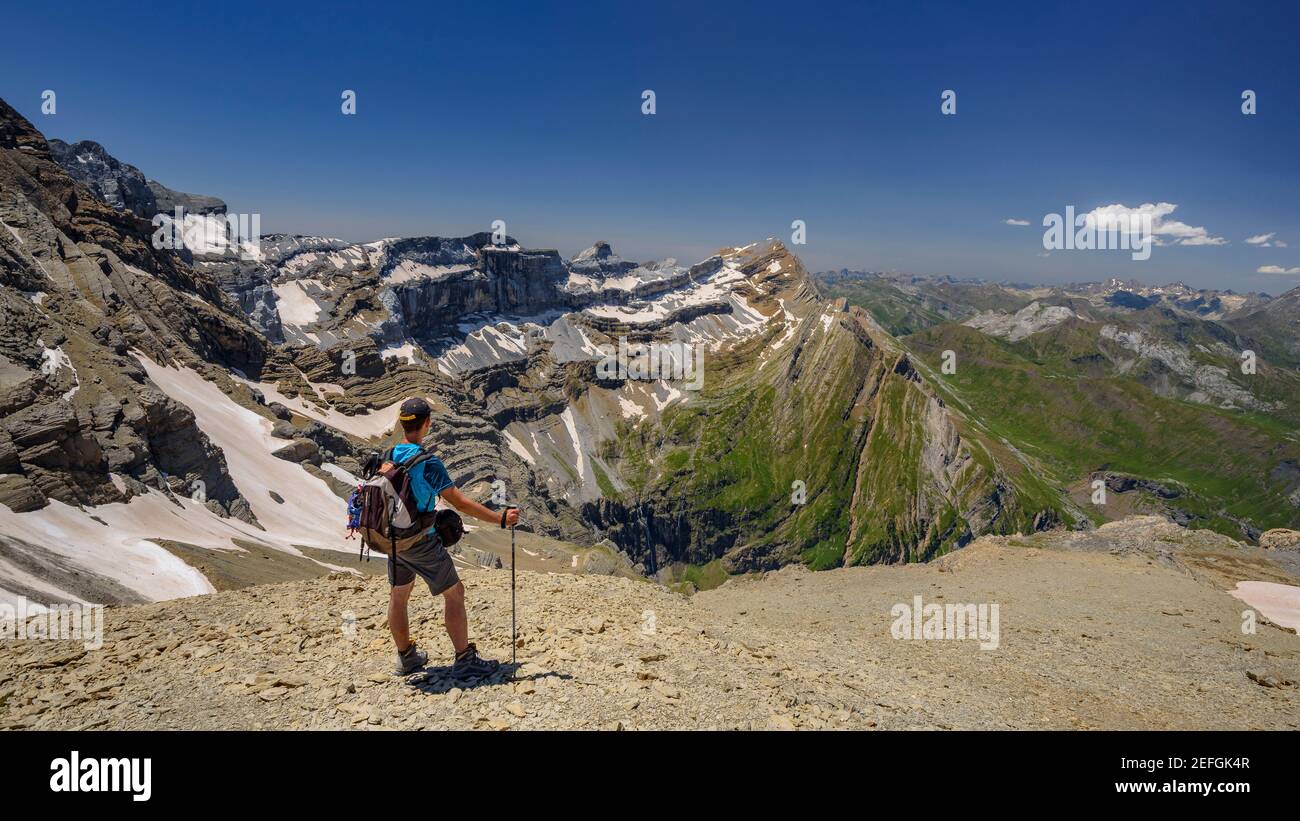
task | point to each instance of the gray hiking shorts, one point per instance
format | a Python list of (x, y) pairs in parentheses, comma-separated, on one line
[(430, 561)]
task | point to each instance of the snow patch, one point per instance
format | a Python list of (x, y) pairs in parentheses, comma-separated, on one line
[(340, 474), (56, 360), (571, 425), (408, 270), (518, 447), (405, 351), (315, 513), (630, 409), (665, 395), (712, 290), (1280, 603), (295, 305), (123, 550)]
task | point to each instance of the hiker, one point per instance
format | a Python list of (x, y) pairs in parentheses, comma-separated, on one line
[(428, 558)]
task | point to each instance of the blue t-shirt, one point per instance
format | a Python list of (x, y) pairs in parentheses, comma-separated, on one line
[(427, 480)]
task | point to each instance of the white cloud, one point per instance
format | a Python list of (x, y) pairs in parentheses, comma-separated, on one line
[(1201, 240), (1268, 240), (1164, 231), (1015, 222), (1277, 269)]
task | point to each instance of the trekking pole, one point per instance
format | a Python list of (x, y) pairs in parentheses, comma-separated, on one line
[(514, 641)]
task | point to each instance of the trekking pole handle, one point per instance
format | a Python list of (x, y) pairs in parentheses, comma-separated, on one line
[(504, 513)]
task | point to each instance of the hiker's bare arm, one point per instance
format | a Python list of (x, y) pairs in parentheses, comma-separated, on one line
[(469, 507)]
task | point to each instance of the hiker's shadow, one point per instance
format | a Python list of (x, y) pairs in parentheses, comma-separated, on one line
[(439, 680)]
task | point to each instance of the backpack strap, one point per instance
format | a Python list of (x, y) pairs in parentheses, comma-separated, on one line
[(425, 519), (420, 455), (419, 458)]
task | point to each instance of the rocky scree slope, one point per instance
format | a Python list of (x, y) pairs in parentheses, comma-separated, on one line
[(1129, 626)]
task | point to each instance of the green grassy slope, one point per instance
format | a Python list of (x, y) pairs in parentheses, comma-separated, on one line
[(1058, 396), (889, 474)]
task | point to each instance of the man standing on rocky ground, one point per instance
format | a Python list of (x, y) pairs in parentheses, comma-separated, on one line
[(429, 558)]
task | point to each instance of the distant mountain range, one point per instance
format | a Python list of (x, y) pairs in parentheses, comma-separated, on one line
[(1145, 387), (1203, 302), (825, 429)]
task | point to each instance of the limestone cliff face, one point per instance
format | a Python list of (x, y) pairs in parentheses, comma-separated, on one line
[(480, 277), (84, 286)]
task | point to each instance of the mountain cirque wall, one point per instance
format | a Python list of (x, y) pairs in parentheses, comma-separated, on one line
[(319, 338)]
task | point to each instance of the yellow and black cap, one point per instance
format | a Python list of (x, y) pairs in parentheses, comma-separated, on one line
[(414, 408)]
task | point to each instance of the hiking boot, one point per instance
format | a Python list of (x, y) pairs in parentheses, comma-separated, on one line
[(410, 660), (469, 664)]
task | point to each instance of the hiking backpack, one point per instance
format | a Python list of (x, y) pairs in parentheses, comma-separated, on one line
[(384, 511), (390, 519)]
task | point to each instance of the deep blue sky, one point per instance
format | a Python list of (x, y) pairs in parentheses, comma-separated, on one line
[(767, 112)]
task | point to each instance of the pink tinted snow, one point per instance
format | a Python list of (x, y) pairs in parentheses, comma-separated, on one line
[(1280, 603)]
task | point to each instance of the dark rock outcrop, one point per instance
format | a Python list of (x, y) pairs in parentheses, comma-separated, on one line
[(328, 439), (20, 494), (123, 186), (300, 450)]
